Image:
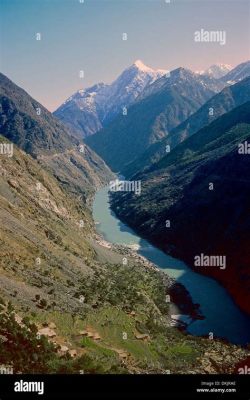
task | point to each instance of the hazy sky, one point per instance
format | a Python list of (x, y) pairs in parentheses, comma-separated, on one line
[(88, 36)]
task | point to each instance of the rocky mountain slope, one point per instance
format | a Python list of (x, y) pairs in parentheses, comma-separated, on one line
[(42, 237), (68, 304), (73, 309), (217, 71), (161, 107), (88, 110), (34, 129), (238, 73), (202, 188), (221, 103)]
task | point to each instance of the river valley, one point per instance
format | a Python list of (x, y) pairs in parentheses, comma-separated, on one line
[(222, 317)]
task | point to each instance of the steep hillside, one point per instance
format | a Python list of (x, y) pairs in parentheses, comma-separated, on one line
[(213, 220), (221, 103), (43, 242), (81, 111), (161, 107), (74, 313), (67, 302), (35, 130)]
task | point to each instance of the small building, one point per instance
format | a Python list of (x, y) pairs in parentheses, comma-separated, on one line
[(122, 353), (142, 336), (73, 353), (64, 349), (18, 319), (83, 333), (47, 332), (52, 325), (3, 339)]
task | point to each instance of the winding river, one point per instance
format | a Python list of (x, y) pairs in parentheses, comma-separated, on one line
[(222, 316)]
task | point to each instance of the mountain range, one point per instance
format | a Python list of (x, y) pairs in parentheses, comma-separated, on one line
[(178, 129), (65, 296), (164, 105), (87, 111), (217, 71), (238, 73), (59, 275), (229, 98)]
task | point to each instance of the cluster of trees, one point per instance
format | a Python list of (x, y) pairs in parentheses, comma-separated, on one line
[(29, 353), (21, 346), (126, 287)]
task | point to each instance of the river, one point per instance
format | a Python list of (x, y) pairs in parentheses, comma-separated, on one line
[(222, 316)]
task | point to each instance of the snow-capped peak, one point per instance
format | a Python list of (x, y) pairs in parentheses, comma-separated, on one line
[(144, 68), (103, 102), (139, 64), (217, 71)]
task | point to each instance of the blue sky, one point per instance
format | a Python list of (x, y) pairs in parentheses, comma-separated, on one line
[(88, 36)]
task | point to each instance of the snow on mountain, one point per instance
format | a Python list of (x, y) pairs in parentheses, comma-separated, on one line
[(237, 74), (217, 71), (88, 110), (226, 73), (184, 75), (127, 87)]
